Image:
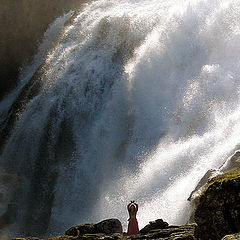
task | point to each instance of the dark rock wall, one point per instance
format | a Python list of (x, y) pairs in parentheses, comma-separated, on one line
[(22, 25), (218, 211)]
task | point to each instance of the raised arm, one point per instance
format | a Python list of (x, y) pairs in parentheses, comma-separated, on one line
[(136, 206)]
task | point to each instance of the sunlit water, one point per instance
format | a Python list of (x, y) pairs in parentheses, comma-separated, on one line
[(139, 100)]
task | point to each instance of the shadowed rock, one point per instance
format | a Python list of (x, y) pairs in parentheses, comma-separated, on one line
[(218, 211), (157, 224), (108, 226)]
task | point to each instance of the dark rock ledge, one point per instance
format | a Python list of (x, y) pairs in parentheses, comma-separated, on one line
[(88, 232)]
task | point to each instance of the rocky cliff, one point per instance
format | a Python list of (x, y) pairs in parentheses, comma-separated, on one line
[(218, 209)]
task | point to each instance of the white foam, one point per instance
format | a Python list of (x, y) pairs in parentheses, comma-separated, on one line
[(150, 94)]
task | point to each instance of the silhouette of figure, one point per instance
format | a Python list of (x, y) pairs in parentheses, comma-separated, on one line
[(133, 223)]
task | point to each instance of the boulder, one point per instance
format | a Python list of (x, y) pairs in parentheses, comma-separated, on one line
[(157, 224), (108, 226), (218, 210), (81, 229)]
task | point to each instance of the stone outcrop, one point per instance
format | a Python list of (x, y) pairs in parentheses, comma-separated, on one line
[(185, 232), (157, 224), (107, 227), (218, 210)]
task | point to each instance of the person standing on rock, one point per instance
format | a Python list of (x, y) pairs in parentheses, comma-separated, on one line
[(132, 221)]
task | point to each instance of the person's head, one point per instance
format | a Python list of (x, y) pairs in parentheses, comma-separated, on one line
[(132, 207)]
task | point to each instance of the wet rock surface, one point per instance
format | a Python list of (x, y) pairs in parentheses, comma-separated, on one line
[(157, 224), (218, 211)]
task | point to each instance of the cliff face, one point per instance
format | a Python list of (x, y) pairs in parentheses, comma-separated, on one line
[(218, 211), (22, 24)]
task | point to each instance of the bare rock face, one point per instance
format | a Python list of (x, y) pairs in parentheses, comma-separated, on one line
[(157, 224), (108, 226), (218, 211)]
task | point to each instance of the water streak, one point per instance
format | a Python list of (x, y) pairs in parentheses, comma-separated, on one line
[(138, 100)]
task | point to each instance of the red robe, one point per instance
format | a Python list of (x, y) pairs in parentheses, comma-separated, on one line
[(133, 223)]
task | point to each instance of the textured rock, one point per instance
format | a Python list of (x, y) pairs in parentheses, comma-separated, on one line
[(81, 229), (218, 211), (185, 232), (108, 226), (232, 162), (28, 238), (232, 237), (157, 224)]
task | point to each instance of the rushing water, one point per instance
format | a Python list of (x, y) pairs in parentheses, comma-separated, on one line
[(135, 100)]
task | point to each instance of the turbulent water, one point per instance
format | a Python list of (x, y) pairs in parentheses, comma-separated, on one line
[(132, 100)]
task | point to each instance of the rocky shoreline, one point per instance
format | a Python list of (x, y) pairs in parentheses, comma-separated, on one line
[(217, 216)]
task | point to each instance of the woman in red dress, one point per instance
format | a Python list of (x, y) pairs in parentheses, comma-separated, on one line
[(133, 223)]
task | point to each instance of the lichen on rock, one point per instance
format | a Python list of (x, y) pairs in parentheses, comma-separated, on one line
[(232, 237), (218, 211)]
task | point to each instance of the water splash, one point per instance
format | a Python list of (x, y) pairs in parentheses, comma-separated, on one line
[(138, 100)]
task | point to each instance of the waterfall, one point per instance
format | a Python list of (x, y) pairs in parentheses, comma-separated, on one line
[(126, 100)]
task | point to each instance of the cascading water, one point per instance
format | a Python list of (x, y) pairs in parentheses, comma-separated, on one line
[(135, 100)]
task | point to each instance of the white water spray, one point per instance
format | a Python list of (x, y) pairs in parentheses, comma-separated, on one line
[(139, 99)]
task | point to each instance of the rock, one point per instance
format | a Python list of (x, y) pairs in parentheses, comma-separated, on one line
[(81, 229), (232, 162), (27, 238), (185, 232), (232, 237), (218, 211), (108, 226), (204, 180), (157, 224)]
